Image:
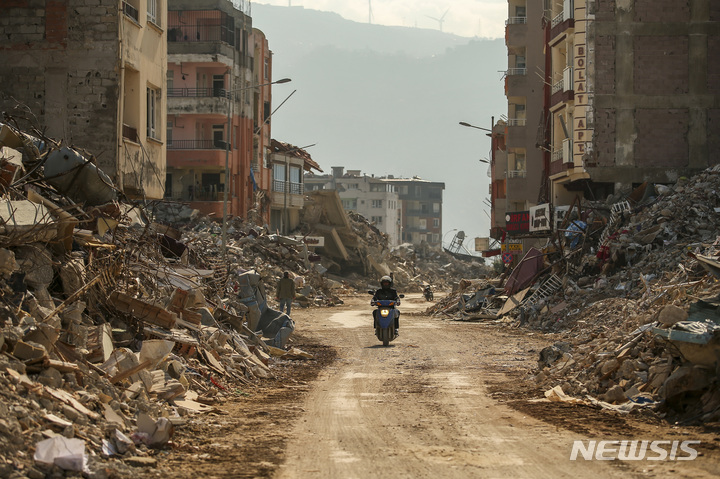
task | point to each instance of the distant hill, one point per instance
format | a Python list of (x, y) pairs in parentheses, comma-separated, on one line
[(312, 29), (387, 100)]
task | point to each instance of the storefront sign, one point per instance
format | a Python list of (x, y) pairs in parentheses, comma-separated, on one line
[(540, 218), (517, 222)]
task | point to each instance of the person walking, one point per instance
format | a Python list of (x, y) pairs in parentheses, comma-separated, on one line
[(285, 293)]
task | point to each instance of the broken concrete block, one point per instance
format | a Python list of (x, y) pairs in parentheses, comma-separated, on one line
[(615, 395), (7, 262), (43, 334), (29, 351), (671, 314), (26, 222), (51, 377), (686, 379)]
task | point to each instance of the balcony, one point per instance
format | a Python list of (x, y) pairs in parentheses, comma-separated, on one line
[(516, 21), (287, 195), (196, 154), (517, 173), (285, 186), (197, 145), (198, 101), (198, 93), (516, 71), (200, 34)]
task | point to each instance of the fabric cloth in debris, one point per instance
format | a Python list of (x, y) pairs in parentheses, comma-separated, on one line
[(573, 233)]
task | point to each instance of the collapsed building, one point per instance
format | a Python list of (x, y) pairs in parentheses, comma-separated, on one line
[(631, 286)]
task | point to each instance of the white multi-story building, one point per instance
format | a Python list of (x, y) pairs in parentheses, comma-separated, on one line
[(374, 198)]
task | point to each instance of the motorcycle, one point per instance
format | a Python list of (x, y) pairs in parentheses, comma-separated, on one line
[(427, 292), (384, 319)]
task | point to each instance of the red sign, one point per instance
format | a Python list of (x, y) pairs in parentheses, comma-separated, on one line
[(507, 258), (517, 222)]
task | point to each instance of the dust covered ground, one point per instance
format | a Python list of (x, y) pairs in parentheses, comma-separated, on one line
[(462, 404)]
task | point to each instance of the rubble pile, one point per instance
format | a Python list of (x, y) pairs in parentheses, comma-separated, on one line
[(115, 328), (637, 303)]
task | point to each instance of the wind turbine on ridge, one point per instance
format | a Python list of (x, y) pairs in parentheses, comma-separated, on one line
[(441, 19)]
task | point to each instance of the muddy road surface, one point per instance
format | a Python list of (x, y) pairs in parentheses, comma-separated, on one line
[(447, 399)]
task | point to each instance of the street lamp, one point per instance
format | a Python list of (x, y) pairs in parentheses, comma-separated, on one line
[(463, 123), (228, 142)]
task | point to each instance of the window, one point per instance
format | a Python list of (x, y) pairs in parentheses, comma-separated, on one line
[(353, 186), (218, 84), (436, 222), (278, 172), (168, 185), (266, 111), (377, 203), (350, 203), (436, 207), (153, 113), (219, 136), (376, 219), (152, 9), (170, 80), (266, 69), (130, 7), (168, 133), (423, 208), (423, 224), (520, 61)]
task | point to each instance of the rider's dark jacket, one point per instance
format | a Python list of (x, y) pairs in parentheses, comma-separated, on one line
[(385, 294)]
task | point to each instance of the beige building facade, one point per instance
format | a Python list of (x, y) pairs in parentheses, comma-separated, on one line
[(93, 76)]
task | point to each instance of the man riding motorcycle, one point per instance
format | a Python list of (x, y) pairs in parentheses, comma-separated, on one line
[(386, 292)]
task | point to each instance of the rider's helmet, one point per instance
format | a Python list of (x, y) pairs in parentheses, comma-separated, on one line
[(386, 282)]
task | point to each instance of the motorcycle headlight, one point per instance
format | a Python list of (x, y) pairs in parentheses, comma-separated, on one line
[(384, 313)]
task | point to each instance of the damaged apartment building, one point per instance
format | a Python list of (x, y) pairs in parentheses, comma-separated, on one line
[(93, 73), (408, 210), (603, 96), (219, 93)]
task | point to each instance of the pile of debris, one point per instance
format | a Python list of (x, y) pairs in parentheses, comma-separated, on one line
[(115, 328), (632, 287)]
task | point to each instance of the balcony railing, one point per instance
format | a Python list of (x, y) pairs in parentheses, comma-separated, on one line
[(517, 122), (131, 11), (286, 186), (516, 71), (201, 33), (558, 19), (516, 21), (517, 173), (197, 145), (198, 92), (557, 155)]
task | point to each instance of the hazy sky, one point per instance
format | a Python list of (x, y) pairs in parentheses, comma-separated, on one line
[(467, 18)]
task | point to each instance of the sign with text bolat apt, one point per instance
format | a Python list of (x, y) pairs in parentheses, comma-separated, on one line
[(517, 222)]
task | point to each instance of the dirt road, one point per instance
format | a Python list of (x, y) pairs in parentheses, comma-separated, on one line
[(424, 407), (447, 399)]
